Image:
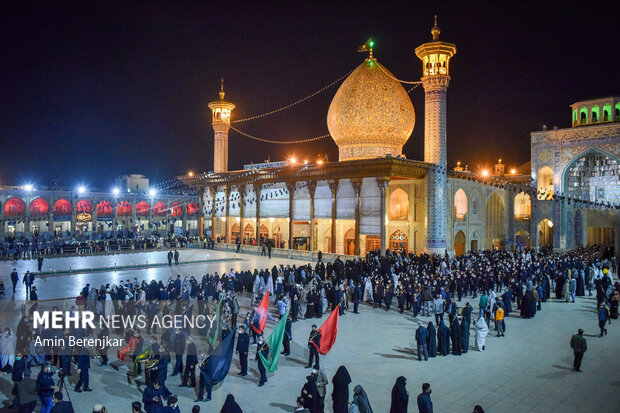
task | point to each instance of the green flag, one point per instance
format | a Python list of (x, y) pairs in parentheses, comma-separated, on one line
[(275, 345), (212, 338)]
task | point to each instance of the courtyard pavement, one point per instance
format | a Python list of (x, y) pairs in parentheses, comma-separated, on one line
[(528, 370)]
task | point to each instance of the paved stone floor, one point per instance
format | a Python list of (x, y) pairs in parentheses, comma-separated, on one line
[(528, 370)]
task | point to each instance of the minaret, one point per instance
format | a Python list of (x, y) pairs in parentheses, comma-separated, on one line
[(221, 124), (435, 57)]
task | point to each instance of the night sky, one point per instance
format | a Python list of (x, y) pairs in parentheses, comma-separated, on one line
[(93, 91)]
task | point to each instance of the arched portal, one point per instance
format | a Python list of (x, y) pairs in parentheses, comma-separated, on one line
[(176, 210), (523, 207), (545, 182), (349, 241), (39, 207), (399, 241), (248, 232), (522, 239), (159, 209), (474, 241), (459, 243), (62, 207), (143, 209), (104, 209), (192, 208), (593, 176), (399, 205), (545, 233), (460, 204), (494, 221), (234, 232), (84, 206), (264, 232)]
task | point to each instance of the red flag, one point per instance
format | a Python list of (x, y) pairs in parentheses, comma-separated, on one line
[(263, 309), (329, 331)]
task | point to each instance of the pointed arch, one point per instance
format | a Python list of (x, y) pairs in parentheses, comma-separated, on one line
[(522, 207), (459, 243), (39, 207), (399, 204), (494, 221), (62, 207), (545, 180), (460, 204)]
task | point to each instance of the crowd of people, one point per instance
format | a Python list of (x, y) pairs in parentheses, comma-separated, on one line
[(498, 283), (71, 244)]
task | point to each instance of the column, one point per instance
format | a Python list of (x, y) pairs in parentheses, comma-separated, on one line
[(93, 217), (333, 185), (241, 212), (291, 201), (226, 223), (257, 190), (134, 215), (384, 183), (201, 195), (357, 187), (509, 214), (213, 191), (312, 190)]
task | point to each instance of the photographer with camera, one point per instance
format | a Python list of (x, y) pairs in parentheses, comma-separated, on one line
[(61, 406), (45, 388)]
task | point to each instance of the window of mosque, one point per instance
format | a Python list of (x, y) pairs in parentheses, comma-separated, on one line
[(399, 204), (592, 177), (545, 182), (617, 111), (574, 117), (595, 114), (607, 113), (523, 207), (583, 115), (460, 204)]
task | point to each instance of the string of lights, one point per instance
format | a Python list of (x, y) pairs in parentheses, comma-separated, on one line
[(290, 105), (406, 82), (247, 135)]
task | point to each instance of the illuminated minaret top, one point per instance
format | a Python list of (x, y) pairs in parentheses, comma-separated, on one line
[(220, 121)]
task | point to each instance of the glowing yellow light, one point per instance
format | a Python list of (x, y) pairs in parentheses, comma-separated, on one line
[(550, 224), (306, 162), (293, 160), (271, 220), (513, 171), (191, 173), (485, 173), (319, 162)]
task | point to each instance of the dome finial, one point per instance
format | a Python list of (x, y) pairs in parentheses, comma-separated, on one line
[(435, 30), (222, 93), (367, 47)]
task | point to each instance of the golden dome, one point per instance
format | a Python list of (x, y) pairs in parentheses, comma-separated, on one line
[(371, 114)]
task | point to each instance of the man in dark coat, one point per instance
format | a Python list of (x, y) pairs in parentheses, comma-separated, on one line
[(83, 367), (443, 339), (357, 295), (153, 397), (464, 336), (176, 257), (243, 346), (61, 406), (179, 349), (190, 364), (14, 279), (400, 397), (455, 336), (421, 338), (314, 343), (432, 340), (170, 258)]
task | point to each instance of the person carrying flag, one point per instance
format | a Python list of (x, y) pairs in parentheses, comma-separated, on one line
[(314, 344), (262, 349)]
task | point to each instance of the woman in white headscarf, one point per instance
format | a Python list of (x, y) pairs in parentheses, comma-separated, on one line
[(108, 306), (481, 333)]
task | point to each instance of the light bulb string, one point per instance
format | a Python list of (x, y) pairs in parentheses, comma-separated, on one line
[(290, 105), (406, 82), (247, 135)]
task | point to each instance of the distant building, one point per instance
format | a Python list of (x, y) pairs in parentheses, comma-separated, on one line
[(133, 183)]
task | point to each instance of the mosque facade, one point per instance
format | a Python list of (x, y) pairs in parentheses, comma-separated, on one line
[(375, 198)]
